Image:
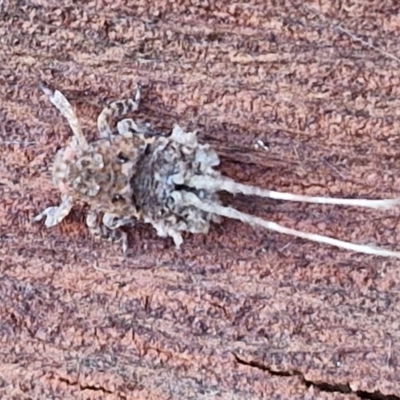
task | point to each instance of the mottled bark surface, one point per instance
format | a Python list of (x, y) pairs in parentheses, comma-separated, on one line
[(241, 313)]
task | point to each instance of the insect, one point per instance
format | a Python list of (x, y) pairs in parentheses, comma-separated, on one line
[(169, 181)]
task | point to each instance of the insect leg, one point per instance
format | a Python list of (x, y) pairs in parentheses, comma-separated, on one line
[(166, 231), (126, 126), (113, 223), (92, 222), (54, 215), (117, 108)]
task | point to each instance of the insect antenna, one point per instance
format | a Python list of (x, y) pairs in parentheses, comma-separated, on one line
[(231, 186), (189, 198), (65, 108)]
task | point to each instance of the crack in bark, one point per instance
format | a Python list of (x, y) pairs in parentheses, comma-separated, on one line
[(86, 387), (322, 386)]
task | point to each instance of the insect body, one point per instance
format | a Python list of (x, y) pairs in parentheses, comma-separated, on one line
[(97, 173), (167, 181)]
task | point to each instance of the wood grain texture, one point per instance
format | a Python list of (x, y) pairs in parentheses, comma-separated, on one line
[(240, 313)]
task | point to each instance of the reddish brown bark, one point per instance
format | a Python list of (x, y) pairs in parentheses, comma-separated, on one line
[(239, 313)]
